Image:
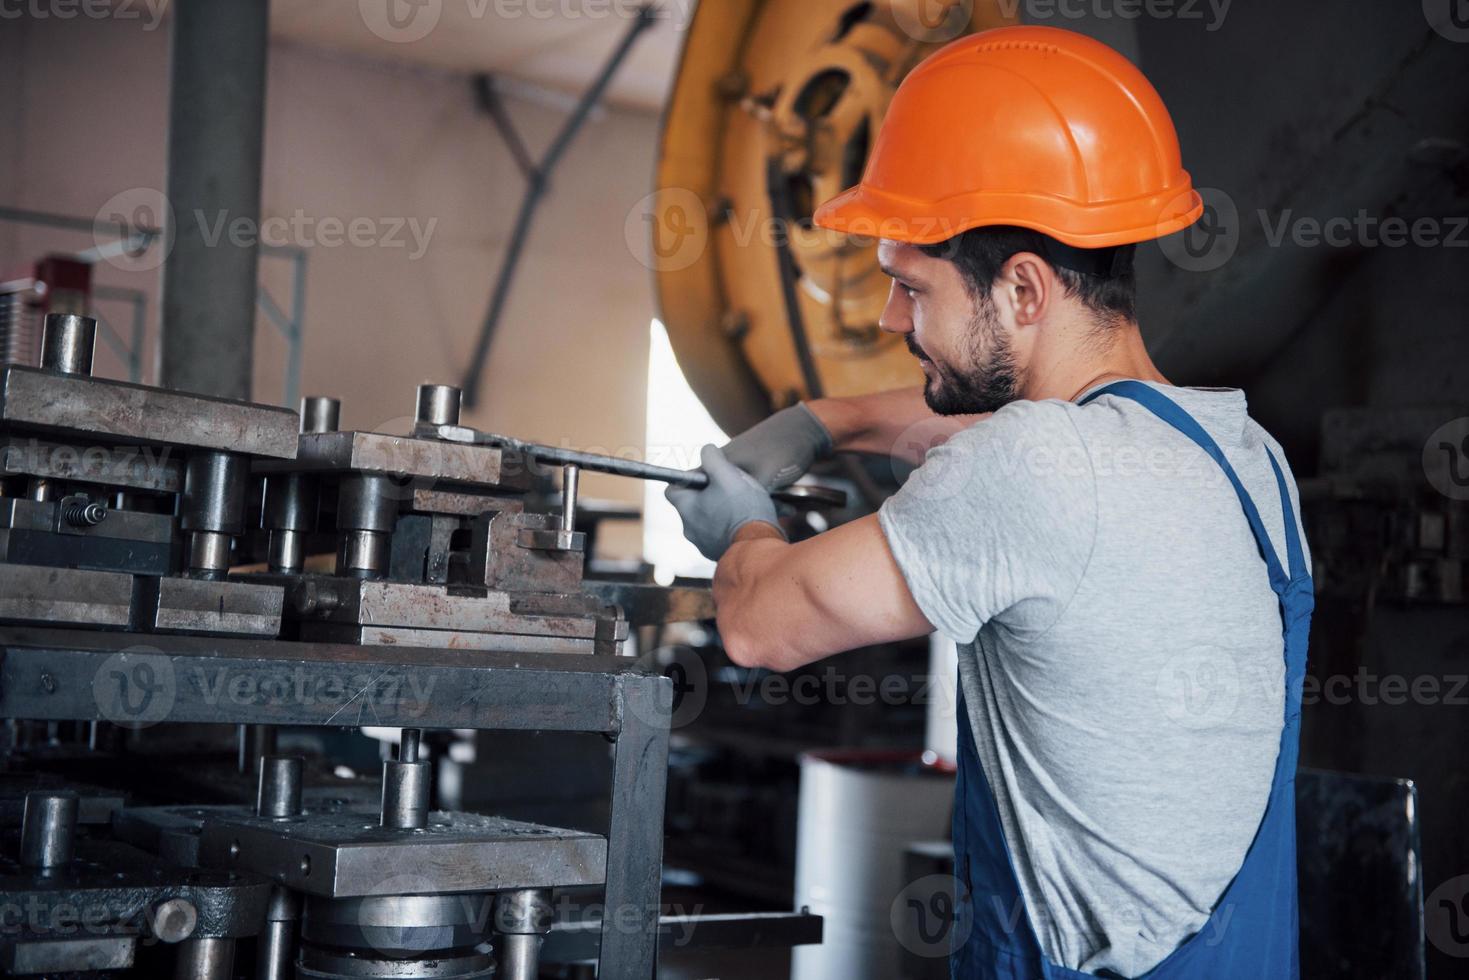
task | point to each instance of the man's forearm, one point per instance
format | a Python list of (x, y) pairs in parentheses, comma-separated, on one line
[(895, 423), (739, 574)]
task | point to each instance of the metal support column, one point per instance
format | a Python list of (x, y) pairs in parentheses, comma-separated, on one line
[(635, 837), (215, 137)]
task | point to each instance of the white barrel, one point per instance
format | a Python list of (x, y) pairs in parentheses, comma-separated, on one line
[(942, 734), (858, 812)]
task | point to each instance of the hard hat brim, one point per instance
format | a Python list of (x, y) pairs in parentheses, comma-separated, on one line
[(868, 212)]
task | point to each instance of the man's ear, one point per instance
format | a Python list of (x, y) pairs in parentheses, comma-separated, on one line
[(1026, 286)]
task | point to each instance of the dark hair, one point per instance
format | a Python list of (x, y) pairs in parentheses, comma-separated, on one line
[(1110, 290)]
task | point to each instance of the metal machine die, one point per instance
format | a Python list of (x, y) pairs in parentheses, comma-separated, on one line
[(400, 892), (434, 546), (121, 502), (382, 892), (78, 904)]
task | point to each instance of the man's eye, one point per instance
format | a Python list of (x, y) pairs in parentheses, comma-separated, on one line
[(908, 290)]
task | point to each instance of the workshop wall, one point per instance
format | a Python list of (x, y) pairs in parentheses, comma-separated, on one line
[(349, 139)]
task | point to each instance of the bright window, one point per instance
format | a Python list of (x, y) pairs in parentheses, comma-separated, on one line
[(678, 427)]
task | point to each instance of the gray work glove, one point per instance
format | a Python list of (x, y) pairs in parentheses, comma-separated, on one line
[(781, 449), (732, 499)]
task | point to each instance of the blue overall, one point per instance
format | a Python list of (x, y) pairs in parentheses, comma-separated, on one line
[(1252, 932)]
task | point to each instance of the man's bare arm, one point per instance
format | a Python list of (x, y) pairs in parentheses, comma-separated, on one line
[(894, 423), (783, 606)]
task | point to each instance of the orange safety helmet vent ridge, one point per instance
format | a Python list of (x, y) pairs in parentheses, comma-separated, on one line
[(1036, 127)]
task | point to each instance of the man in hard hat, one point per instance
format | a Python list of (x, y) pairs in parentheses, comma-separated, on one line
[(1118, 559)]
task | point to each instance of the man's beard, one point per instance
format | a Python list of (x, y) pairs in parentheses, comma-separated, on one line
[(987, 384)]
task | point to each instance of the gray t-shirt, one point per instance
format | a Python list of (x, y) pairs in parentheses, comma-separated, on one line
[(1120, 654)]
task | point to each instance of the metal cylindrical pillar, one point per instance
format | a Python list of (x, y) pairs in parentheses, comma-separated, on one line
[(367, 512), (205, 959), (320, 414), (522, 919), (215, 137), (276, 959), (438, 404), (212, 509), (407, 785), (67, 343), (279, 793), (48, 829)]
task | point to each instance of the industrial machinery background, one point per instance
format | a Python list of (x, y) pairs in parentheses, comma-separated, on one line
[(405, 584)]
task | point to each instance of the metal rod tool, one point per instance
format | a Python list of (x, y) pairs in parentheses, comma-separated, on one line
[(801, 494)]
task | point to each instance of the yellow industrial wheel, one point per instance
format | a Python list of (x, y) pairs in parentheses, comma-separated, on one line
[(774, 110)]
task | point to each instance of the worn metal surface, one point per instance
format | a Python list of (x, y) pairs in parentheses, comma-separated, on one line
[(118, 885), (113, 412), (86, 597), (182, 605), (432, 460), (390, 636), (133, 467), (347, 853), (635, 832), (48, 956), (381, 604), (463, 504), (650, 605), (65, 596), (499, 558), (59, 674)]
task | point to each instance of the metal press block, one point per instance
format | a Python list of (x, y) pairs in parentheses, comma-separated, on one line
[(453, 463), (347, 853), (140, 604), (131, 414)]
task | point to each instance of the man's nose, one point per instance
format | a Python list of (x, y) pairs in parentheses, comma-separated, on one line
[(895, 316)]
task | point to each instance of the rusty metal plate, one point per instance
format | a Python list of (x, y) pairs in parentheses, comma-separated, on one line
[(115, 412), (435, 462)]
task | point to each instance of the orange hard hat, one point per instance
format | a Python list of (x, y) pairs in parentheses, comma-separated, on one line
[(1036, 127)]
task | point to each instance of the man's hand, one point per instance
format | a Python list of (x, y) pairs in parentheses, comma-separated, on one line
[(782, 448), (732, 499)]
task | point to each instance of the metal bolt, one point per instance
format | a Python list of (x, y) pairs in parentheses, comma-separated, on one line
[(735, 324), (733, 84), (175, 920)]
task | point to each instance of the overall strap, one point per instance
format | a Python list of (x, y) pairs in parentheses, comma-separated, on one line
[(1169, 411), (1294, 552)]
